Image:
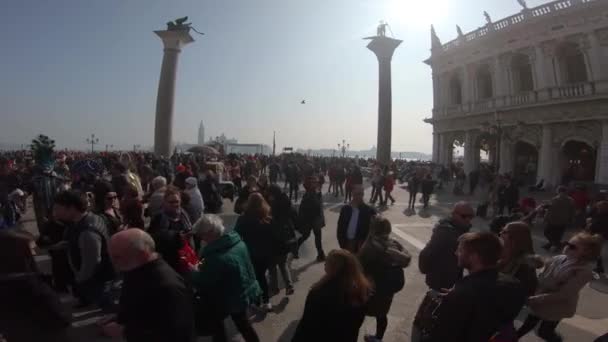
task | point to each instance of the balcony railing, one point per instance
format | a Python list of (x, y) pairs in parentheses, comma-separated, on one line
[(536, 97), (546, 9)]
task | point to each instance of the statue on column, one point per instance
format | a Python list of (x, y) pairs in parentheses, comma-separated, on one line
[(178, 24), (381, 31)]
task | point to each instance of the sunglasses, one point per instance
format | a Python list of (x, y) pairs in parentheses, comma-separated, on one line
[(571, 246)]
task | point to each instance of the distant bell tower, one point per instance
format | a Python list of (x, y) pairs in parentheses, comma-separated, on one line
[(201, 134)]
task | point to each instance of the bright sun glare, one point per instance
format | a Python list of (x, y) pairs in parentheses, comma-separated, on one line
[(417, 13)]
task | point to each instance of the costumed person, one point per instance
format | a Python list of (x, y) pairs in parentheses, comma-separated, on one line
[(45, 182)]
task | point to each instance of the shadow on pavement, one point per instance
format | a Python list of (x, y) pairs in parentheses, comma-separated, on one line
[(288, 332)]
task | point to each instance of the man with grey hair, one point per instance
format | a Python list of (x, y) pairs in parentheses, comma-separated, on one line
[(155, 302), (155, 203), (225, 280)]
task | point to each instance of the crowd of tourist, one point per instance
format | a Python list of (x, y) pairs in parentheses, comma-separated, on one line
[(139, 237)]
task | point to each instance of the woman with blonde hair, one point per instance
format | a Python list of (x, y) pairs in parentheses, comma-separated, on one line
[(559, 285), (256, 229), (335, 306)]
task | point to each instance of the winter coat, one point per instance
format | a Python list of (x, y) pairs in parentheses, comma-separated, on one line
[(477, 307), (558, 290), (561, 211), (259, 237), (328, 316), (438, 260), (226, 278), (311, 211), (156, 305)]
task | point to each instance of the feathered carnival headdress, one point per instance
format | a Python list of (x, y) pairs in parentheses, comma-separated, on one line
[(42, 150)]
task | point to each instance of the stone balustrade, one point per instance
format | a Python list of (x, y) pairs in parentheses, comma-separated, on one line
[(546, 9), (543, 96)]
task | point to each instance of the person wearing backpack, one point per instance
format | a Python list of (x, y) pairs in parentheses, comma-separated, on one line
[(383, 260)]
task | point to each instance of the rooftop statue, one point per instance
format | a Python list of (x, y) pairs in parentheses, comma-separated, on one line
[(523, 4), (459, 30), (435, 42), (488, 19)]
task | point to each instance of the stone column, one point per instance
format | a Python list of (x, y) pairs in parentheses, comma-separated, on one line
[(594, 57), (442, 150), (469, 155), (384, 47), (506, 156), (601, 175), (539, 68), (546, 157), (173, 40), (466, 85), (436, 147)]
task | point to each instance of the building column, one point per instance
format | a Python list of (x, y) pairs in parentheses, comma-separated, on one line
[(601, 175), (546, 157), (469, 157), (436, 148), (506, 156), (173, 40), (540, 70), (594, 57), (466, 85), (500, 88)]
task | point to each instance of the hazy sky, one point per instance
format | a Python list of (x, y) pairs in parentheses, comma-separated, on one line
[(70, 68)]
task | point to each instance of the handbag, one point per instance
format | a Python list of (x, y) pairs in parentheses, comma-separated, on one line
[(426, 316)]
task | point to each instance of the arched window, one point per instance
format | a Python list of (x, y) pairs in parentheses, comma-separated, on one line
[(455, 90), (484, 83), (522, 73), (572, 63)]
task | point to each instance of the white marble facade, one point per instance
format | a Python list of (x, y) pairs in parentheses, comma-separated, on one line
[(535, 84)]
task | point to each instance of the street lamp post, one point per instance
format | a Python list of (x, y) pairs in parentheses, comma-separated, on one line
[(108, 147), (344, 146), (93, 141)]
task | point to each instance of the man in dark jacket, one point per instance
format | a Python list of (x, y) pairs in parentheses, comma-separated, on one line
[(437, 259), (483, 303), (354, 221), (155, 303), (87, 247), (311, 217)]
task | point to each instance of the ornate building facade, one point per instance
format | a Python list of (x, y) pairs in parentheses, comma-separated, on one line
[(530, 89)]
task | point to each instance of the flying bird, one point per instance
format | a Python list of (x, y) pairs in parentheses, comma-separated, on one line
[(303, 102)]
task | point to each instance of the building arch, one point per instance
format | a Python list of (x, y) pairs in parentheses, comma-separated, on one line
[(455, 89), (484, 82), (577, 160), (522, 73), (572, 63), (525, 161)]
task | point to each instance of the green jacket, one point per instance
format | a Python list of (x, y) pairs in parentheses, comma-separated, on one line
[(226, 277)]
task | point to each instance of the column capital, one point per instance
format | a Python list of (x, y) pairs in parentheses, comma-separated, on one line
[(383, 47), (175, 39)]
